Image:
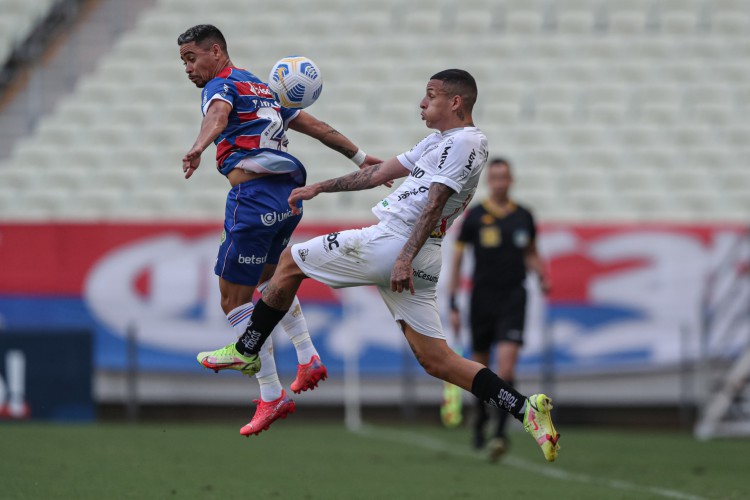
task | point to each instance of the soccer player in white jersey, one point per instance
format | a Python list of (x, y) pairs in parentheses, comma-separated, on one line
[(401, 254)]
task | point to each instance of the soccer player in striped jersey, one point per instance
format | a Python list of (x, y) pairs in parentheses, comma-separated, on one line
[(243, 118)]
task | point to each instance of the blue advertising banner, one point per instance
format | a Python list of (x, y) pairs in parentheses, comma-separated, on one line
[(46, 375)]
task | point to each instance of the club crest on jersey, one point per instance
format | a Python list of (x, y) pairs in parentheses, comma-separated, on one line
[(490, 237)]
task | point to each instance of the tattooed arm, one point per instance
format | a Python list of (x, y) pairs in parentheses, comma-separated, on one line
[(401, 276), (366, 178)]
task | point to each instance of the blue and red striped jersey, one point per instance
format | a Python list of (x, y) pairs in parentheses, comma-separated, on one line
[(257, 123)]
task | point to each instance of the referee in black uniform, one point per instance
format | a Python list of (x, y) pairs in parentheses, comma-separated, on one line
[(503, 237)]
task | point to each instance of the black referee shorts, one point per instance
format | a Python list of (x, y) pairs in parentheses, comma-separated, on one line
[(497, 317)]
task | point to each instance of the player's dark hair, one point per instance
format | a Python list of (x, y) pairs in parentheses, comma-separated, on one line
[(497, 160), (202, 33), (459, 82)]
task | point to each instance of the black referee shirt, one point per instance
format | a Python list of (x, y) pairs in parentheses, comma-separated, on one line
[(499, 240)]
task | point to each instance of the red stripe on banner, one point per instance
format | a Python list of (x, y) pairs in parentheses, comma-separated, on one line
[(55, 259)]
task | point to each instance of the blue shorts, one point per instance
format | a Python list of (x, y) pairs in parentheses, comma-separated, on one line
[(258, 224)]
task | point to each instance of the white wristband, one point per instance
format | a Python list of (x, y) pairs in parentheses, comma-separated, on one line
[(359, 157)]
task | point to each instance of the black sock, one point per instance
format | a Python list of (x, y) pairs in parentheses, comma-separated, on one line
[(496, 392), (502, 417), (262, 322), (481, 416)]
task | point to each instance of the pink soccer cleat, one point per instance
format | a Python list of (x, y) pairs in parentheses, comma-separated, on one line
[(308, 375), (267, 413)]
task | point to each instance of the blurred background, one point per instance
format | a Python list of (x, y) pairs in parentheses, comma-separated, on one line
[(626, 122)]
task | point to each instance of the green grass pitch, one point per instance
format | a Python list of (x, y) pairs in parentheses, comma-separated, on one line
[(300, 460)]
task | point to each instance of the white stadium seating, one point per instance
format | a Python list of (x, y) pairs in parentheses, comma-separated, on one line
[(632, 111)]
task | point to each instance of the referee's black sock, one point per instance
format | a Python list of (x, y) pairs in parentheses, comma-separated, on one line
[(262, 322), (496, 392)]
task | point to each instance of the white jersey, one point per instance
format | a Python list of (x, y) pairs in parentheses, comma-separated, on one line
[(455, 158)]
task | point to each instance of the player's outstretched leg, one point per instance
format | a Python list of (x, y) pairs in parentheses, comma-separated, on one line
[(267, 413), (538, 422), (228, 358), (441, 362)]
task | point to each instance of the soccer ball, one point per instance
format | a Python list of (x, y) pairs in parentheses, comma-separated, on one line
[(296, 81)]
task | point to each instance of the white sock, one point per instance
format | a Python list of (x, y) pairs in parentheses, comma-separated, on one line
[(239, 316), (295, 326), (270, 386)]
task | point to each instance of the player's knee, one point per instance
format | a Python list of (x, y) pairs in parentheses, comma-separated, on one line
[(229, 303), (432, 363), (287, 266)]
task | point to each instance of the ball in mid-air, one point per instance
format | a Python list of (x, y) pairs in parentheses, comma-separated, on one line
[(296, 81)]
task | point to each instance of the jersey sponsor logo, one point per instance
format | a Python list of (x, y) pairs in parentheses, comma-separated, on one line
[(443, 156), (418, 273), (330, 241), (412, 192), (252, 259), (470, 161), (226, 90), (417, 173), (252, 88), (303, 253), (271, 218)]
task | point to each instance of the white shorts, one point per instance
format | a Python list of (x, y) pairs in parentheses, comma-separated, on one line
[(360, 257)]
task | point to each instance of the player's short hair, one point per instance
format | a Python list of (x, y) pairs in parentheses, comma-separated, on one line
[(204, 35), (459, 82), (497, 160)]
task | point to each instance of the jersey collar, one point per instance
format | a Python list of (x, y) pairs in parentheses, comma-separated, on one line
[(224, 73), (499, 212)]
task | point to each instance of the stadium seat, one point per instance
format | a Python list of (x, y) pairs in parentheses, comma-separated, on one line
[(524, 22), (575, 22), (679, 22), (730, 22), (648, 97)]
